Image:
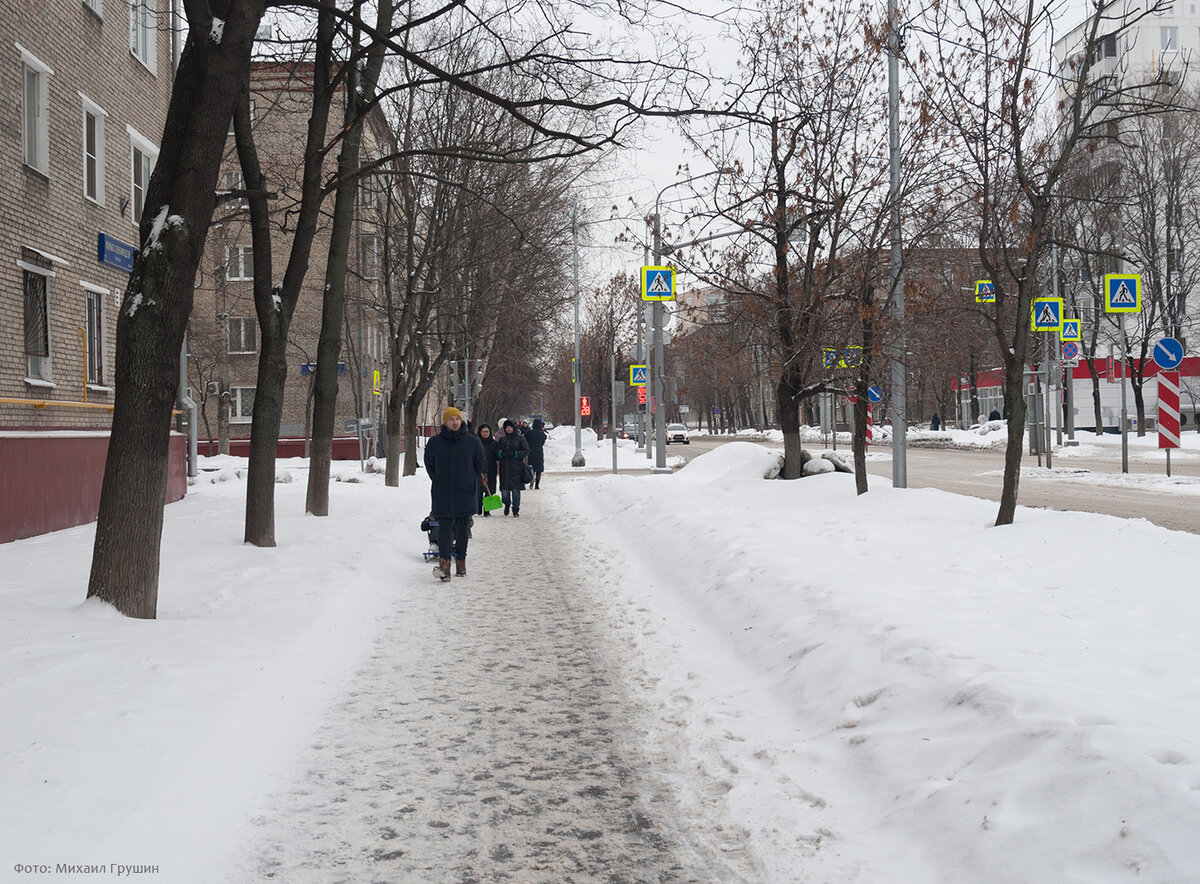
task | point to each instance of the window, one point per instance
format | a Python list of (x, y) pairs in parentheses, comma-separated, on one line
[(1169, 39), (143, 155), (93, 150), (141, 31), (242, 334), (94, 332), (96, 6), (369, 258), (233, 180), (239, 262), (35, 112), (241, 404), (37, 321), (1110, 46)]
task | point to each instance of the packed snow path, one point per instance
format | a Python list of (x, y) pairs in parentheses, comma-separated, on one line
[(493, 735)]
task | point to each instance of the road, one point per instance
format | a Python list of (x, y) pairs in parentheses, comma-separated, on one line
[(980, 474)]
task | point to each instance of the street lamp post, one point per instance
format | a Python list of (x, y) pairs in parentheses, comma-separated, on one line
[(577, 460), (899, 369), (656, 378)]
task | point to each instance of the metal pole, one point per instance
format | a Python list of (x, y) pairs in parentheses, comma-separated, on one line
[(1048, 406), (660, 428), (899, 371), (612, 422), (577, 460), (641, 316), (1124, 406), (647, 417), (1058, 368)]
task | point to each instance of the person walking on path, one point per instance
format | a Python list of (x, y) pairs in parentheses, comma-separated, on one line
[(536, 437), (512, 454), (456, 466), (489, 456)]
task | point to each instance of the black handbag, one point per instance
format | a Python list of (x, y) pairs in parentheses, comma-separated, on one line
[(528, 474)]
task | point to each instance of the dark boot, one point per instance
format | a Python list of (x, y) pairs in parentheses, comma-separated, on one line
[(516, 512), (442, 571), (507, 507), (460, 567)]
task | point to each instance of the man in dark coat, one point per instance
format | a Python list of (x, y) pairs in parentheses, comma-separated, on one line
[(536, 437), (456, 467), (512, 452)]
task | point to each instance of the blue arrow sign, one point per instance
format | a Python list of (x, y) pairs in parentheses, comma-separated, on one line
[(1168, 353), (874, 393)]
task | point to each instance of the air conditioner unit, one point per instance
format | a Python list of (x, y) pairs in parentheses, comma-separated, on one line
[(212, 388)]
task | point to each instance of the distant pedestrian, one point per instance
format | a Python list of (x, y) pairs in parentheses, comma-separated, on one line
[(456, 467), (994, 416), (536, 437), (512, 452), (489, 456), (935, 422)]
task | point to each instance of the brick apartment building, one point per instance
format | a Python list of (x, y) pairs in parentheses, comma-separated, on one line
[(84, 91), (222, 334)]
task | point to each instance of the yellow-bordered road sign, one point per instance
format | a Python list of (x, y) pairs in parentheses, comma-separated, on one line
[(1045, 314), (1072, 330), (1122, 293), (637, 375), (658, 283), (985, 291)]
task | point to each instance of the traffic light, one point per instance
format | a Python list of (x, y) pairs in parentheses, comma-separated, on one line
[(641, 395), (585, 407)]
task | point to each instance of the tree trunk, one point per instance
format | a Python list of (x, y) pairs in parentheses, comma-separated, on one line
[(789, 422), (1014, 382), (392, 471), (410, 432), (154, 314)]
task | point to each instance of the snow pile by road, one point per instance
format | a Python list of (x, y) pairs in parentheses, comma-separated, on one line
[(896, 690)]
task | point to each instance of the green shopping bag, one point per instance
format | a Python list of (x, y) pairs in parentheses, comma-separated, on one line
[(492, 502)]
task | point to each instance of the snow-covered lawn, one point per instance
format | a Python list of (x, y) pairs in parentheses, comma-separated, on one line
[(882, 688)]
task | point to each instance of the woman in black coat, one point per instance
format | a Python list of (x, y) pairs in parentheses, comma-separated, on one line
[(489, 453), (512, 453), (536, 437)]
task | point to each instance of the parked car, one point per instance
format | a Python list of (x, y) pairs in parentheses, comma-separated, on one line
[(677, 433)]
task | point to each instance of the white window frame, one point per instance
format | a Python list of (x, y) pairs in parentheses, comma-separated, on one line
[(35, 111), (236, 340), (39, 370), (95, 314), (239, 263), (239, 411), (99, 115), (1168, 37), (143, 155), (142, 38), (96, 6)]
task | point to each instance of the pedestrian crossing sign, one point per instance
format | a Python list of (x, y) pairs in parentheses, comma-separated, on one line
[(1072, 330), (637, 375), (829, 357), (1046, 315), (658, 283), (1122, 293), (985, 291)]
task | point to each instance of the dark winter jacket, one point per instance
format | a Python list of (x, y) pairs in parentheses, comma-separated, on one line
[(454, 461), (536, 437), (511, 453), (489, 455)]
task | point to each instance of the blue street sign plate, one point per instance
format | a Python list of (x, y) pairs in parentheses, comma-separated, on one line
[(637, 375), (1168, 353), (1072, 330), (874, 393)]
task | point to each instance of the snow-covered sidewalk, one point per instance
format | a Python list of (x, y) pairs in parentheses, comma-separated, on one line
[(491, 736)]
